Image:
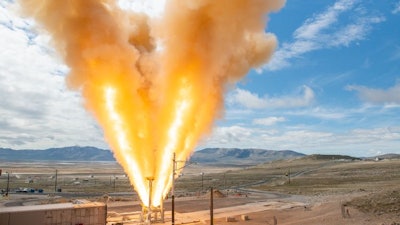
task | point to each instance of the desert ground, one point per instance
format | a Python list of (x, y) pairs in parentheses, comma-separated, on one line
[(308, 190)]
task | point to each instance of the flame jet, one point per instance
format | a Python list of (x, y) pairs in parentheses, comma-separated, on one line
[(156, 84)]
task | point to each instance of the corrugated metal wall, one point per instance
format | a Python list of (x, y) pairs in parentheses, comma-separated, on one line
[(81, 214)]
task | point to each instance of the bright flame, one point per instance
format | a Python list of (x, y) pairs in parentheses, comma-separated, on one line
[(156, 85), (134, 170)]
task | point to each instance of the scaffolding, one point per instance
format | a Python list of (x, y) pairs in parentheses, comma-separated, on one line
[(150, 213)]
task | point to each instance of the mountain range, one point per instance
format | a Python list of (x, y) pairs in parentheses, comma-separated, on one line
[(73, 153), (208, 155), (221, 156)]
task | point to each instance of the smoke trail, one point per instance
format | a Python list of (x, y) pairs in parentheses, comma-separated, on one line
[(153, 100)]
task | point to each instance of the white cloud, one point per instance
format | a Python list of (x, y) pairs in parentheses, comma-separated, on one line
[(353, 32), (321, 113), (253, 101), (324, 30), (355, 142), (37, 110), (232, 135), (396, 8), (269, 121), (378, 96), (312, 27), (248, 99)]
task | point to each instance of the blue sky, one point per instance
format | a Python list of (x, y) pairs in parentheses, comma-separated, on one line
[(332, 86)]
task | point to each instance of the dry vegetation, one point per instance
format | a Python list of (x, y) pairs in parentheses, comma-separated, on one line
[(385, 202), (376, 183), (326, 177)]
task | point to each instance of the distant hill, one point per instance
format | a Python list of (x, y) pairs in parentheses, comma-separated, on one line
[(330, 157), (73, 153), (389, 156), (238, 156), (385, 156), (210, 155)]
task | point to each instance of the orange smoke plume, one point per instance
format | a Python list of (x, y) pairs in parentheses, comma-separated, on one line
[(156, 85)]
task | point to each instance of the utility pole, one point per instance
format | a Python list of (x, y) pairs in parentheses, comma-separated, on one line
[(55, 183), (8, 183), (224, 181), (202, 179), (174, 169), (114, 182), (173, 190), (211, 206)]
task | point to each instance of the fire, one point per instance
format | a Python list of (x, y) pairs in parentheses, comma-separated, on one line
[(156, 84)]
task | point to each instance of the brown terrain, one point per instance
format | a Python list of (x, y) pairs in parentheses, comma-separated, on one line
[(308, 190)]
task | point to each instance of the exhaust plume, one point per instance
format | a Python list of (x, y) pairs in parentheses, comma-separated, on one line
[(156, 84)]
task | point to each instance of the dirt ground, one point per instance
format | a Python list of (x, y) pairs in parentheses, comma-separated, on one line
[(320, 192), (267, 208), (325, 211), (263, 208)]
